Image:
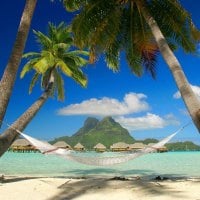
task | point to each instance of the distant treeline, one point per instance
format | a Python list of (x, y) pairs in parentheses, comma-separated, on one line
[(176, 146), (183, 146)]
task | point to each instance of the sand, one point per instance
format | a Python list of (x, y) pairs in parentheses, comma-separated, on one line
[(41, 188)]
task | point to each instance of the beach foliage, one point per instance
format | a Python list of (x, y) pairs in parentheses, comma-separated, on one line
[(139, 29), (56, 56)]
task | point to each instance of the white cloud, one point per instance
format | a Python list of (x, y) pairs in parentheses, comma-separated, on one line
[(196, 90), (132, 103), (170, 119), (150, 121)]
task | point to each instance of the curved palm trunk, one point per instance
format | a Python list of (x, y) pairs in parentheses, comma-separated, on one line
[(191, 101), (7, 138), (10, 72)]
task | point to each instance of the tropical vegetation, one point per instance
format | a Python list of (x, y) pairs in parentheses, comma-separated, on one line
[(183, 146), (57, 55), (139, 28), (106, 131)]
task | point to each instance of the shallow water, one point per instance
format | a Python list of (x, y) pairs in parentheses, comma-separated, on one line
[(165, 164)]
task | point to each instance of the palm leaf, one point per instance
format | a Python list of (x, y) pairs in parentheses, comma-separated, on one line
[(73, 5), (41, 66), (64, 68), (75, 60), (59, 85), (31, 55), (33, 82), (57, 55), (28, 66), (43, 40)]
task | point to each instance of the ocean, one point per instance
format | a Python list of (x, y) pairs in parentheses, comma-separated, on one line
[(173, 164)]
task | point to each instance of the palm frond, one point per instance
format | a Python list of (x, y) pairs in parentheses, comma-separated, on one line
[(78, 52), (113, 56), (79, 77), (71, 59), (174, 22), (31, 55), (64, 68), (59, 85), (33, 82), (73, 5), (43, 40), (57, 55), (42, 65), (97, 25), (28, 66)]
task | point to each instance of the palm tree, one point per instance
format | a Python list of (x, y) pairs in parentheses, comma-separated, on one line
[(57, 55), (10, 72), (123, 25)]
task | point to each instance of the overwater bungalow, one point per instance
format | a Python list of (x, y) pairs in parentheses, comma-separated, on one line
[(22, 145), (62, 144), (79, 147), (99, 147), (136, 146), (119, 146), (161, 149)]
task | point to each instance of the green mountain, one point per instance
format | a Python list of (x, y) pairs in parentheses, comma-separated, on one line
[(107, 131), (89, 124)]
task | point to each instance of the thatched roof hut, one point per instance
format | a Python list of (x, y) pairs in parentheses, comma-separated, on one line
[(119, 146), (21, 142), (151, 144), (161, 149), (22, 145), (137, 146), (79, 147), (62, 144), (99, 147)]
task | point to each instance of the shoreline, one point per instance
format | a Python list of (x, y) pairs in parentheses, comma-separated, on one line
[(90, 188)]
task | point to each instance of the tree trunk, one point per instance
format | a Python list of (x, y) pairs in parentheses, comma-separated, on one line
[(7, 138), (190, 99), (10, 72)]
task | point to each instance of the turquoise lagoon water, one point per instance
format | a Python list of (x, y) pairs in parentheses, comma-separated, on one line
[(177, 164)]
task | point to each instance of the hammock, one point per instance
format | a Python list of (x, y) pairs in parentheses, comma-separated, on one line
[(49, 149)]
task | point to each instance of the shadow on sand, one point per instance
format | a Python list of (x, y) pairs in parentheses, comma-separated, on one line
[(11, 179), (151, 187)]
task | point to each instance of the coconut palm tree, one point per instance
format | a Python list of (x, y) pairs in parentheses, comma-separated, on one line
[(123, 25), (10, 72), (56, 56)]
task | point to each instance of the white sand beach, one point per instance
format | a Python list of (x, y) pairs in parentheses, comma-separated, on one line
[(33, 188)]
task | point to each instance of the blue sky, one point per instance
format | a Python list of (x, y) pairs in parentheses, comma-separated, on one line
[(147, 107)]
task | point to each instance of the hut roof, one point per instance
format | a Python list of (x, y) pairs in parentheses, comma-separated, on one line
[(119, 145), (79, 146), (99, 146), (21, 142), (151, 144), (61, 144), (137, 145)]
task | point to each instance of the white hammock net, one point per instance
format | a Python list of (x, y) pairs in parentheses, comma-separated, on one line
[(47, 148)]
